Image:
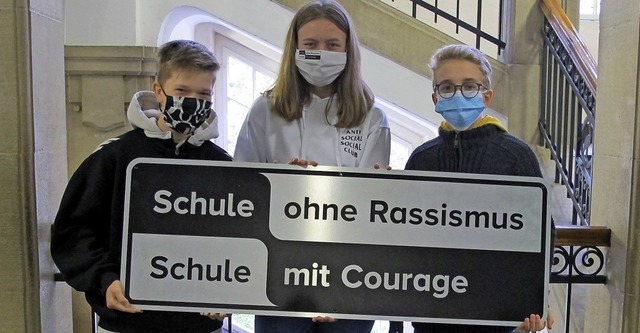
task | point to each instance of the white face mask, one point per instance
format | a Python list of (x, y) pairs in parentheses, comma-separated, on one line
[(319, 67)]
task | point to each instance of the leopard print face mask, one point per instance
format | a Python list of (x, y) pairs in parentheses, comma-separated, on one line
[(185, 114)]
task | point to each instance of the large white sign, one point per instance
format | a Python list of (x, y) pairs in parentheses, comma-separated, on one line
[(349, 243)]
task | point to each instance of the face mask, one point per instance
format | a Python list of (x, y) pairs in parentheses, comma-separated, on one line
[(460, 112), (185, 114), (320, 68)]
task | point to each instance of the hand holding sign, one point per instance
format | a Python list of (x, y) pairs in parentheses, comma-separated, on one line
[(115, 299)]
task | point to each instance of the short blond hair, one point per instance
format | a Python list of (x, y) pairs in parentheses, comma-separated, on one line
[(462, 52), (184, 55)]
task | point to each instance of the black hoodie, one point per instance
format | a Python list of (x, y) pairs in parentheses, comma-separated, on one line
[(86, 239)]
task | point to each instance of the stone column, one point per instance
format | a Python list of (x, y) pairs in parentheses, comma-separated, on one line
[(19, 298), (46, 57), (616, 169), (519, 93), (32, 152)]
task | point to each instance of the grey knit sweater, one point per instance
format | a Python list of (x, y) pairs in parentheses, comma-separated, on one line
[(487, 150)]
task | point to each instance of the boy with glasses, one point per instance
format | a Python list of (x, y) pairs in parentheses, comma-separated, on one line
[(470, 142)]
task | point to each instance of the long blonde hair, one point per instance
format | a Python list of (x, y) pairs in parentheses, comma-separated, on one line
[(291, 91)]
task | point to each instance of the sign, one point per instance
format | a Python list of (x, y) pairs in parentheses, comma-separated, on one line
[(343, 242)]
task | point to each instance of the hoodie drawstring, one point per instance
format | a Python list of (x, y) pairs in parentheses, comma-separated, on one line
[(179, 144), (301, 127)]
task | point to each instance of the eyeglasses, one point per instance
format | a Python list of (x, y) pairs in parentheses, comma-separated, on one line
[(468, 89)]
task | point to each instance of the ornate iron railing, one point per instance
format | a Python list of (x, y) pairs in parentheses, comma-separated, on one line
[(568, 106), (579, 257), (566, 124)]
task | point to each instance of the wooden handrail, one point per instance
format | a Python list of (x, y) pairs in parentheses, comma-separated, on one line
[(572, 42), (582, 236)]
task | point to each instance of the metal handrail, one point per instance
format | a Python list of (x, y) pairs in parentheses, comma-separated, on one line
[(568, 106), (474, 27), (567, 128)]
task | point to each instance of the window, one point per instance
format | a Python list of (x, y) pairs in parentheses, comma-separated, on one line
[(407, 132), (244, 76), (590, 10)]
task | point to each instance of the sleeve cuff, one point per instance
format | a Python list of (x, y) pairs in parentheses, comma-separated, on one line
[(106, 280)]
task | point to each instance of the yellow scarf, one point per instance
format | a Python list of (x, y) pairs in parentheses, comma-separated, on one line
[(481, 121)]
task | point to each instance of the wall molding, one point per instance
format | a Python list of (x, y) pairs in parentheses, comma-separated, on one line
[(100, 81)]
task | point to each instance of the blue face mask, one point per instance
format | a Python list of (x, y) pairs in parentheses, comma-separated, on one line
[(460, 112)]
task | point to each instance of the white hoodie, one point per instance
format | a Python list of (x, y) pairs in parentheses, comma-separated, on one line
[(267, 137), (143, 112)]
